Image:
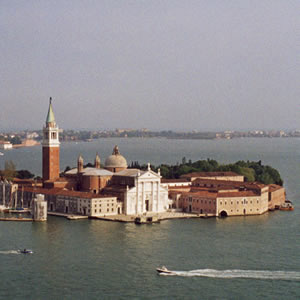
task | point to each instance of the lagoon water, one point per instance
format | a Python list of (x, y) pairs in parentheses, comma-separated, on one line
[(234, 258)]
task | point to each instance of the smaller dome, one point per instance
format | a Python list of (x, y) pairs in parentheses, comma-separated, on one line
[(116, 160)]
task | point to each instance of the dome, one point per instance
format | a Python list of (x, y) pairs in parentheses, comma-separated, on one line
[(116, 160)]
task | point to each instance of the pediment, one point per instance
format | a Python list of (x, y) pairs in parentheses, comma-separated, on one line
[(149, 174)]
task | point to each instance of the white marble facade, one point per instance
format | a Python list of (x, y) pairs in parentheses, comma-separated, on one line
[(147, 195)]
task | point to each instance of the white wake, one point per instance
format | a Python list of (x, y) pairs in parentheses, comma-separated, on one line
[(254, 274), (10, 252)]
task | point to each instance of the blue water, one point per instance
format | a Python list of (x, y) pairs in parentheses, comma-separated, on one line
[(234, 258)]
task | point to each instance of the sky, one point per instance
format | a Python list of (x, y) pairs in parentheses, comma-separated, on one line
[(156, 64)]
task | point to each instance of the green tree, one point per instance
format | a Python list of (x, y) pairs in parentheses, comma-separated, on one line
[(248, 173), (9, 172), (15, 140), (24, 174)]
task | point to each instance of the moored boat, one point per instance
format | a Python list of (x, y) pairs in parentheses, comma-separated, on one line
[(146, 220), (287, 205)]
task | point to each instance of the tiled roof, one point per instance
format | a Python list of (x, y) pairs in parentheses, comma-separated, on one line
[(274, 187), (207, 194), (238, 194), (229, 183), (91, 172), (163, 180), (62, 192)]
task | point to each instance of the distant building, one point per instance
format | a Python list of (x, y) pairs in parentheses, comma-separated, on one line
[(5, 145)]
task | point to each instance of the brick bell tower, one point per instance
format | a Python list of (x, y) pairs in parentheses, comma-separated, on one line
[(50, 147)]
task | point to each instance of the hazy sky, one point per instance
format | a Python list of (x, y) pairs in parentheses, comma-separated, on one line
[(159, 64)]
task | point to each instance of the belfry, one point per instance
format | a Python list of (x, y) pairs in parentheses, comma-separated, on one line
[(50, 147)]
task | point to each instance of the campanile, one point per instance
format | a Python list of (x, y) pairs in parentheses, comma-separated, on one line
[(50, 147)]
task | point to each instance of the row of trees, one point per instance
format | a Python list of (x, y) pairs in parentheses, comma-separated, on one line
[(253, 171), (10, 172)]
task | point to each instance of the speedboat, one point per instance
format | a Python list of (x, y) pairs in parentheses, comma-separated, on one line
[(164, 270), (26, 251)]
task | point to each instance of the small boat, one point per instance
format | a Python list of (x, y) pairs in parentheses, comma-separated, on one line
[(26, 251), (1, 153), (164, 270), (287, 205), (146, 220)]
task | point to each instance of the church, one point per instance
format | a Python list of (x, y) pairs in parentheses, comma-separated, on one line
[(82, 190)]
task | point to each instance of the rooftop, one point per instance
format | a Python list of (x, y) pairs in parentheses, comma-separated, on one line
[(90, 172), (63, 192)]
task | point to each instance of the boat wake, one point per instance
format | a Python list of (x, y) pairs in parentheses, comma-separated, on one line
[(253, 274), (10, 252)]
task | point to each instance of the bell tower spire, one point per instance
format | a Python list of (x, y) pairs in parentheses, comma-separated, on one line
[(50, 146), (50, 116)]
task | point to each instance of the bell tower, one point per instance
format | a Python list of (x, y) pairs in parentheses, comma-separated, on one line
[(50, 147)]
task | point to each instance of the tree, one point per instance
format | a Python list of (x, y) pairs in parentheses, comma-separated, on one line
[(9, 172), (67, 169), (24, 174), (15, 140), (248, 173)]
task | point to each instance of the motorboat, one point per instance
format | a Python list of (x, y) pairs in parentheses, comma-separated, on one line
[(164, 270), (287, 205), (26, 251), (146, 220)]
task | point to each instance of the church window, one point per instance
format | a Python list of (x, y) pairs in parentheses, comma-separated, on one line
[(95, 210)]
